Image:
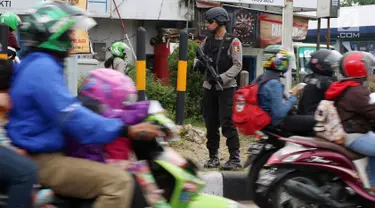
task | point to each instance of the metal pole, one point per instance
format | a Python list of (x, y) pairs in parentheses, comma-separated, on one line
[(182, 77), (141, 63), (328, 32), (4, 41), (318, 34), (71, 64), (287, 40), (244, 78), (123, 28)]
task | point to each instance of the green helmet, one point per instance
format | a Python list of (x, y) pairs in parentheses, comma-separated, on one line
[(118, 49), (11, 19), (49, 24)]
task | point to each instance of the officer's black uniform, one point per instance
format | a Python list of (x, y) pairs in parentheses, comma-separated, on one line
[(217, 104)]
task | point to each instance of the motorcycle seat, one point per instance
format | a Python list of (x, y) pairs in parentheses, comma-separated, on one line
[(325, 144)]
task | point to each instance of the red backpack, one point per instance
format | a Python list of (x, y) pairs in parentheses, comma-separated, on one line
[(247, 116)]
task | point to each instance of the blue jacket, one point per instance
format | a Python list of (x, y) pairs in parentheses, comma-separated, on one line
[(44, 112), (270, 97)]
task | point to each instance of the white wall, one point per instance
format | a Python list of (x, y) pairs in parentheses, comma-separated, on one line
[(110, 30), (151, 9), (98, 8), (150, 27), (355, 16), (129, 9)]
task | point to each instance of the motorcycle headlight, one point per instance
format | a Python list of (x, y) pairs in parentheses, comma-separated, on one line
[(291, 158)]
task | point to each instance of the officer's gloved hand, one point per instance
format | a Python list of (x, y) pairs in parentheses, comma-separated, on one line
[(220, 80), (214, 81)]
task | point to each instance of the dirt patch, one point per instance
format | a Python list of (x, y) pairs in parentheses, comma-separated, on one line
[(199, 153)]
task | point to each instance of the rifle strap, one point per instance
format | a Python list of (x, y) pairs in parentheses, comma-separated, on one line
[(219, 53)]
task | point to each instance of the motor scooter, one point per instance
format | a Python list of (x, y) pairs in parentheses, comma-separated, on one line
[(314, 172), (176, 176)]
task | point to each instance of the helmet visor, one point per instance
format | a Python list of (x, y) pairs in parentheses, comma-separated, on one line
[(334, 60), (370, 62)]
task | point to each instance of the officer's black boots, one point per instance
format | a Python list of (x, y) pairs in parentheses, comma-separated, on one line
[(213, 162), (234, 161)]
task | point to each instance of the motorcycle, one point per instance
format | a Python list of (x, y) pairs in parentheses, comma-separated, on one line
[(174, 175), (313, 172), (267, 143), (259, 152)]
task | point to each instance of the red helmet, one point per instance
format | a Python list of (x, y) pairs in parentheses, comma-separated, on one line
[(357, 64)]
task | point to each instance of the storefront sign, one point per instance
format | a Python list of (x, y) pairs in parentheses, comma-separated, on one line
[(80, 3), (17, 6), (81, 41), (271, 29), (306, 4), (98, 8)]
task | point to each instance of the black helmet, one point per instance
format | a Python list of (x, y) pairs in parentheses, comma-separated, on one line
[(325, 61), (217, 13)]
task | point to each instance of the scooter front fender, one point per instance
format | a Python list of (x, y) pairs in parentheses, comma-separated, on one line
[(206, 200), (268, 180)]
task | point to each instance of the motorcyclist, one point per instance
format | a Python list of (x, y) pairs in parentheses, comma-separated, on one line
[(271, 93), (117, 61), (13, 21), (324, 63), (351, 96), (17, 172), (92, 94), (44, 112), (118, 102)]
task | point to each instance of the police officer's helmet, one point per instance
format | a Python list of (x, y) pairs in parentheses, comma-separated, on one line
[(218, 14), (325, 62)]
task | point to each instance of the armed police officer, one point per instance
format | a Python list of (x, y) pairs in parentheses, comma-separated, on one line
[(225, 53)]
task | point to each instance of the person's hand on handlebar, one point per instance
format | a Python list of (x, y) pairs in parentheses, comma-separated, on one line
[(145, 131)]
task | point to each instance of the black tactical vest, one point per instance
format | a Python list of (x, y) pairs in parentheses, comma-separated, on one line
[(313, 93), (211, 49)]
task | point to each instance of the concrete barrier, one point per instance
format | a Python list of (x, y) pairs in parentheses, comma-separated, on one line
[(231, 184)]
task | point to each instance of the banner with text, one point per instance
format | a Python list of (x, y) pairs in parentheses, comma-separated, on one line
[(271, 29), (17, 6), (81, 41)]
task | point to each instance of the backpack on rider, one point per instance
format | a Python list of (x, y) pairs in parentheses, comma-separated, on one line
[(248, 116), (328, 124)]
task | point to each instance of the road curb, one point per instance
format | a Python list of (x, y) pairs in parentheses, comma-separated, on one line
[(230, 184)]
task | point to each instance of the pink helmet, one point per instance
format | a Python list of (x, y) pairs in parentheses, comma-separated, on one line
[(109, 87)]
